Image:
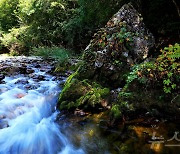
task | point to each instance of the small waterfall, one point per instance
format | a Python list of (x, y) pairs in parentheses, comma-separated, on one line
[(28, 113)]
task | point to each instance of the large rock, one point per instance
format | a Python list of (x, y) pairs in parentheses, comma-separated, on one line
[(107, 60), (142, 39), (123, 42)]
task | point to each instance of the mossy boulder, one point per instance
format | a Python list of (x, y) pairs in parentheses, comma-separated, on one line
[(123, 42), (114, 49), (83, 95)]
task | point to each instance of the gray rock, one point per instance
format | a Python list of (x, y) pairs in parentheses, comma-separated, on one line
[(143, 40), (124, 41)]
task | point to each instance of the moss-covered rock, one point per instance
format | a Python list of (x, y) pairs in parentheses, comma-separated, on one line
[(82, 94), (123, 42), (107, 60)]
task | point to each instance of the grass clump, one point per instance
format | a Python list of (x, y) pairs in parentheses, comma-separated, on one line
[(52, 52)]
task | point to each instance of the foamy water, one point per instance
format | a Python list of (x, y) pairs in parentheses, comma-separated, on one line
[(28, 113)]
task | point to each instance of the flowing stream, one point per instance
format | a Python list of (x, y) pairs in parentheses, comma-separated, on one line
[(28, 109), (31, 124)]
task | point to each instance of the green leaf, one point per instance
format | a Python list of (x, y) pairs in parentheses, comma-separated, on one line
[(173, 86), (167, 82)]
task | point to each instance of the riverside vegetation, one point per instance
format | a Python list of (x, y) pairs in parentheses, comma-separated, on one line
[(121, 57)]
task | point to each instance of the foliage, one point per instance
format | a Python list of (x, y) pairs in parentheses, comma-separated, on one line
[(16, 40), (8, 18), (169, 67), (73, 22), (115, 41), (91, 15), (45, 17), (162, 73), (154, 83), (50, 22), (120, 107), (34, 23), (115, 111)]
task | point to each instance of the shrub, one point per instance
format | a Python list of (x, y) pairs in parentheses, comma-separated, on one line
[(152, 85), (16, 40), (165, 70), (163, 73)]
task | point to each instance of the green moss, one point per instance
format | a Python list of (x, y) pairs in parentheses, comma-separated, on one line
[(116, 111), (73, 89), (82, 94), (68, 81), (94, 96)]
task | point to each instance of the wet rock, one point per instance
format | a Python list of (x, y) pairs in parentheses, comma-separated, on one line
[(29, 71), (3, 124), (13, 70), (22, 81), (40, 77), (31, 87), (37, 66), (1, 77), (4, 68), (23, 70)]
